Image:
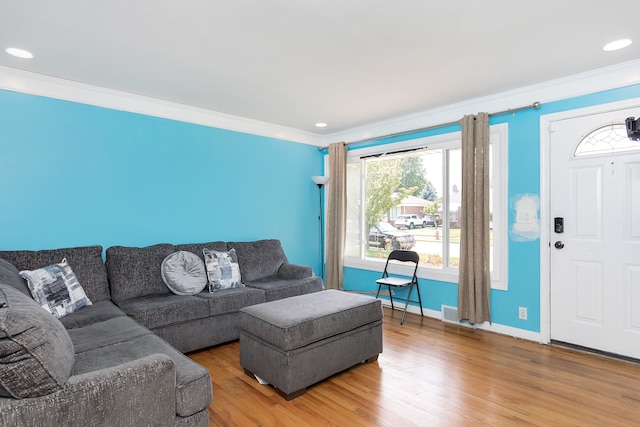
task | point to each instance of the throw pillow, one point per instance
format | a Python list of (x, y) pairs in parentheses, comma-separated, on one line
[(184, 273), (9, 275), (36, 352), (223, 271), (56, 289)]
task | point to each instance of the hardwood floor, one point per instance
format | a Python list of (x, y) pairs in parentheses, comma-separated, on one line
[(434, 373)]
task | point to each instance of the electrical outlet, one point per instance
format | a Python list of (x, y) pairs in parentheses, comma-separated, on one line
[(522, 313)]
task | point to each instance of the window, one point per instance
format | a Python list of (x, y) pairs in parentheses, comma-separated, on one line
[(407, 195), (609, 139)]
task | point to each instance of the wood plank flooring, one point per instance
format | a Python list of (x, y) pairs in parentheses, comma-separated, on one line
[(438, 374)]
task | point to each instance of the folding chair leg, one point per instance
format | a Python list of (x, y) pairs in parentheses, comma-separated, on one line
[(419, 299), (378, 293), (406, 304), (390, 296)]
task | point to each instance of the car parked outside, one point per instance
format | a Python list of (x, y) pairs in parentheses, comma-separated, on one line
[(412, 221), (388, 237), (431, 222)]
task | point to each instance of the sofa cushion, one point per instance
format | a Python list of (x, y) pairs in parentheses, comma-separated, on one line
[(197, 248), (103, 334), (56, 288), (135, 272), (184, 273), (231, 300), (223, 271), (36, 352), (193, 382), (276, 289), (258, 259), (9, 275), (86, 262), (159, 310), (87, 315)]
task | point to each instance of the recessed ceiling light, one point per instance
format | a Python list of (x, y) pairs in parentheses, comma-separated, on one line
[(321, 125), (616, 45), (20, 53)]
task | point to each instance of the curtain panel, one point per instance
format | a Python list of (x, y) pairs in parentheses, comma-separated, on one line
[(336, 215), (474, 283)]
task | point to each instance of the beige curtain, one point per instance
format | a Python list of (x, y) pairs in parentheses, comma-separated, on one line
[(474, 285), (336, 215)]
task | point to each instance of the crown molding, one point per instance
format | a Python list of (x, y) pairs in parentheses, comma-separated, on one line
[(53, 87), (606, 78), (612, 77)]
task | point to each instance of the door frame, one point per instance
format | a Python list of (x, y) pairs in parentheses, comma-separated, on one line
[(547, 122)]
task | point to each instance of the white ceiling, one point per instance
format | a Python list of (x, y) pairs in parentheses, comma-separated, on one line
[(349, 63)]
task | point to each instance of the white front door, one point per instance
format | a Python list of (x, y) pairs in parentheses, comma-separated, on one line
[(595, 260)]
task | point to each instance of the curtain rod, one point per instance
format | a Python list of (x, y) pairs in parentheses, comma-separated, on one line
[(535, 106)]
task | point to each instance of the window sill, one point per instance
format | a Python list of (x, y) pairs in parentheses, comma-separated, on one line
[(441, 275), (427, 273)]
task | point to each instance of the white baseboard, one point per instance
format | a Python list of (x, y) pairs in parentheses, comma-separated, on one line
[(493, 327)]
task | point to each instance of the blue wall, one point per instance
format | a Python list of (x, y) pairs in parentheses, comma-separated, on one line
[(73, 174), (524, 178)]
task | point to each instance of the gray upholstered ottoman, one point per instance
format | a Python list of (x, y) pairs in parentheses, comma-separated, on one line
[(295, 342)]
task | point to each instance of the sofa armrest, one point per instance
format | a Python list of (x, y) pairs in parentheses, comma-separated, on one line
[(294, 271), (141, 392)]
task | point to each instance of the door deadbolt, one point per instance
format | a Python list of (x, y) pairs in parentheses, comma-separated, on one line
[(559, 245), (558, 225)]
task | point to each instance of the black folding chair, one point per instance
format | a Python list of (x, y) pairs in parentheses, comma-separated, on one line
[(401, 282)]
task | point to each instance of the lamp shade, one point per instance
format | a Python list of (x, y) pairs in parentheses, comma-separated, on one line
[(320, 180)]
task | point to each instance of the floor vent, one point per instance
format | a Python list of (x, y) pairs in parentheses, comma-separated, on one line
[(450, 315)]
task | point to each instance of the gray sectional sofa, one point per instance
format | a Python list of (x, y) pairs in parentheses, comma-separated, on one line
[(120, 360)]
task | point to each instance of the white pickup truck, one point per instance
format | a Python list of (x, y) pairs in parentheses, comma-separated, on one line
[(412, 221)]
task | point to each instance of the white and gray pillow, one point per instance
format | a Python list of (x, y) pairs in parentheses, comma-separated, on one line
[(56, 289), (223, 271), (184, 273)]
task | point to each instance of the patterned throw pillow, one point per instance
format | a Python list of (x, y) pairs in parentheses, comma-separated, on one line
[(56, 289), (223, 270)]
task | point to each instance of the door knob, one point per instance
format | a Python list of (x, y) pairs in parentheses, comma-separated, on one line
[(559, 245)]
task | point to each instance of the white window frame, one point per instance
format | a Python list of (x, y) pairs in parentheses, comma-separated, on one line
[(499, 181)]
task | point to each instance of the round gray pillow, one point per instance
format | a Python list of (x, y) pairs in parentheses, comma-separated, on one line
[(184, 273)]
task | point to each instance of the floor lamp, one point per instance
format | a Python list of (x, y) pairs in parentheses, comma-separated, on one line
[(320, 181)]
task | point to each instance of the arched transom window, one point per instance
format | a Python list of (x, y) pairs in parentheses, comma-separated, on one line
[(609, 139)]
